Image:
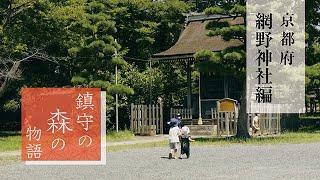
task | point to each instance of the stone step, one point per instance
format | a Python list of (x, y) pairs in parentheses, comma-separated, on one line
[(203, 129), (199, 133), (195, 122)]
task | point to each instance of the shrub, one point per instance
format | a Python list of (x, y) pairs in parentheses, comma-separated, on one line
[(11, 105)]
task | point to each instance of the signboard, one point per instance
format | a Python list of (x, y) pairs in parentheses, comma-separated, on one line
[(63, 126), (227, 105)]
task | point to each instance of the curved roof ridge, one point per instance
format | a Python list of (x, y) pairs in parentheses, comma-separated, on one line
[(193, 39)]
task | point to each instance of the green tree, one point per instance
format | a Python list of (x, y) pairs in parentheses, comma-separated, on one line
[(231, 60), (75, 41), (91, 47), (145, 27), (26, 43), (312, 44), (16, 46)]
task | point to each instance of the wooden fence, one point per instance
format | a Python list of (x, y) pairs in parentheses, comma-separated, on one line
[(313, 107), (186, 114), (146, 119), (226, 123), (214, 116), (269, 123)]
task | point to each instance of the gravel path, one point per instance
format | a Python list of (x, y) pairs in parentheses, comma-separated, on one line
[(139, 140), (290, 161), (10, 153)]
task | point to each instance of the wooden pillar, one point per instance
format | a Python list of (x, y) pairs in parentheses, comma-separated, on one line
[(269, 117), (189, 82), (158, 118), (279, 123), (218, 124), (142, 119), (153, 115), (227, 120), (212, 116), (161, 118), (150, 116), (145, 119), (235, 123), (131, 118)]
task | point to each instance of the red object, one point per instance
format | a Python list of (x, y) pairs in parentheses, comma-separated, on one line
[(61, 124)]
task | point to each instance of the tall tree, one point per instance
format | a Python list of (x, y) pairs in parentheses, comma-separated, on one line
[(12, 52), (233, 59), (83, 32), (312, 44), (230, 60), (25, 35)]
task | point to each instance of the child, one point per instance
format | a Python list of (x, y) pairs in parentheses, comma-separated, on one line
[(185, 141), (174, 134)]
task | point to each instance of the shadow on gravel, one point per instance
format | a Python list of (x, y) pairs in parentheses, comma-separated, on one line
[(164, 157), (170, 159)]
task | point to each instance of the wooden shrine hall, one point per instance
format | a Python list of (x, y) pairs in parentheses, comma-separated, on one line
[(213, 110), (192, 40), (214, 89)]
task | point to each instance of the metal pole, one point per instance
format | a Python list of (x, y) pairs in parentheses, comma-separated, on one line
[(117, 117), (200, 116)]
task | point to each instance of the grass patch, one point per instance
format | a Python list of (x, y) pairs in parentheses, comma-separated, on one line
[(285, 138), (114, 136), (10, 141)]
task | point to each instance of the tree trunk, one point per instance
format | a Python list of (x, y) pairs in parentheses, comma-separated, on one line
[(242, 125), (3, 86), (13, 73)]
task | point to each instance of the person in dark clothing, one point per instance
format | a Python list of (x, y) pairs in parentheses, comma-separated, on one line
[(185, 141)]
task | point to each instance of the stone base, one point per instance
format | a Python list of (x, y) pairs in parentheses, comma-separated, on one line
[(203, 130)]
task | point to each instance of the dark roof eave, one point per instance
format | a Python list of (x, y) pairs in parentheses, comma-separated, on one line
[(161, 56), (177, 57), (171, 58), (205, 17)]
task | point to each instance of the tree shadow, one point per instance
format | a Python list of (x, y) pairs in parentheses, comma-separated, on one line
[(9, 133), (310, 129), (235, 139), (212, 139)]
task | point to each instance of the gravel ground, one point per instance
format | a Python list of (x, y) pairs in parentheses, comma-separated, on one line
[(290, 161)]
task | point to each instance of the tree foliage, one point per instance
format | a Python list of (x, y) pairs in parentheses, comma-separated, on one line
[(312, 44), (231, 60), (79, 42)]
